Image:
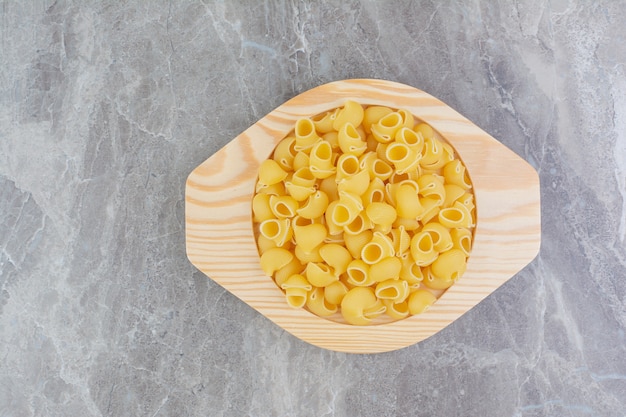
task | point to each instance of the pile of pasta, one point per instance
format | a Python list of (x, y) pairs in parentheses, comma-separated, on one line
[(365, 211)]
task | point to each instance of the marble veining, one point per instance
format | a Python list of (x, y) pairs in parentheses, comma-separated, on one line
[(105, 107)]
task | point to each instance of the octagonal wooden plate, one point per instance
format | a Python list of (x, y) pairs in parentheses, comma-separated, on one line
[(220, 240)]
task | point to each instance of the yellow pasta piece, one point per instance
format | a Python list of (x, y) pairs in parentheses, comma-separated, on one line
[(352, 112), (359, 224), (422, 249), (317, 303), (397, 178), (381, 214), (411, 272), (324, 122), (315, 206), (298, 192), (309, 237), (321, 160), (283, 206), (301, 160), (360, 306), (386, 268), (395, 290), (402, 157), (358, 273), (264, 244), (413, 140), (275, 189), (425, 130), (442, 241), (461, 239), (401, 240), (347, 166), (337, 216), (420, 301), (431, 186), (431, 208), (274, 259), (372, 115), (333, 139), (456, 216), (285, 153), (350, 142), (433, 154), (409, 224), (336, 256), (329, 186), (306, 136), (271, 173), (355, 184), (278, 230), (296, 289), (352, 201), (454, 172), (293, 267), (385, 129), (396, 311), (434, 282), (319, 274), (408, 120), (467, 200), (379, 247), (306, 257), (304, 177), (449, 265), (407, 202), (375, 192), (453, 193), (261, 208), (335, 292), (355, 243)]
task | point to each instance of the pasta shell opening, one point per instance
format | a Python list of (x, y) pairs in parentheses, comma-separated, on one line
[(348, 165), (304, 128), (372, 253)]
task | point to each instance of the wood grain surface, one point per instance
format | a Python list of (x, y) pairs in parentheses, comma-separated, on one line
[(220, 240)]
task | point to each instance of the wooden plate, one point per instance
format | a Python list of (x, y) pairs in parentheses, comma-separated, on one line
[(220, 240)]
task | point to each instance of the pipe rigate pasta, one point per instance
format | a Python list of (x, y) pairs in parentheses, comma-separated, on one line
[(363, 211)]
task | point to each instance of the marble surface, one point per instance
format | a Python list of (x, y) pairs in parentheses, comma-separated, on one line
[(106, 106)]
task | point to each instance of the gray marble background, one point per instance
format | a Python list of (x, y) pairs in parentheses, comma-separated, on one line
[(106, 106)]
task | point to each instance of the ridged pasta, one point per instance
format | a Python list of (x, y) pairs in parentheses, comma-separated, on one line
[(351, 113), (396, 311), (317, 303), (372, 115), (359, 273), (420, 301), (335, 292), (385, 129), (350, 141), (386, 268), (336, 256), (360, 305), (422, 249), (283, 207), (395, 290), (296, 288), (261, 208), (309, 237), (271, 173), (364, 210), (285, 152), (306, 136)]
